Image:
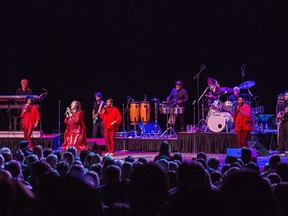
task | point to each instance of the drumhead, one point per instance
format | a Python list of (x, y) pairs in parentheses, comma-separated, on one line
[(216, 122)]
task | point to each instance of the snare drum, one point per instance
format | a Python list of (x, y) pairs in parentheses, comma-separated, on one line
[(134, 112), (145, 111), (228, 106)]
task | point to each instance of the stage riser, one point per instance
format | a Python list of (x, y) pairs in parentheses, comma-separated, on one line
[(19, 134)]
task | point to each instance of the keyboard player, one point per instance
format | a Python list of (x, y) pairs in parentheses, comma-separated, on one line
[(24, 90)]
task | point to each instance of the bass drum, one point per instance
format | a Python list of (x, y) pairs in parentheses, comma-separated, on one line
[(145, 111), (134, 112), (220, 121)]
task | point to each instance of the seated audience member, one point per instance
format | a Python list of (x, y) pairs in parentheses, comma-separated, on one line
[(178, 156), (63, 168), (274, 178), (201, 155), (164, 150), (282, 171), (246, 193), (24, 146), (47, 151), (273, 161), (213, 164), (38, 150)]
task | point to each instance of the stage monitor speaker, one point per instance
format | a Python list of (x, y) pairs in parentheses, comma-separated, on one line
[(97, 145), (261, 150)]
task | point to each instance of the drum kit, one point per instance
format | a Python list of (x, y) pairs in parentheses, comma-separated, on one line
[(219, 114)]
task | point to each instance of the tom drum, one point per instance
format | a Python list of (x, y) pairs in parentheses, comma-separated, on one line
[(228, 106), (163, 108), (216, 105)]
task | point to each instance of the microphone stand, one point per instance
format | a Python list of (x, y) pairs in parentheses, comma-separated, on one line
[(201, 120), (59, 124), (202, 67)]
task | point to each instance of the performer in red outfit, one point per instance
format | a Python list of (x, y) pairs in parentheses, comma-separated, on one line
[(112, 118), (30, 118), (75, 133), (243, 122)]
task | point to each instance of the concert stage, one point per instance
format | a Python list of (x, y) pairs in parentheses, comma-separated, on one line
[(11, 139), (208, 142)]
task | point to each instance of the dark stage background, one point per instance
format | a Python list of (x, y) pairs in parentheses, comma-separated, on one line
[(136, 47)]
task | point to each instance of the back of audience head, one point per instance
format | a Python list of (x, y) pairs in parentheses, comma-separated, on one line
[(178, 156), (19, 156), (173, 165), (165, 148), (126, 170), (246, 193), (77, 171), (97, 167), (213, 163), (63, 168), (73, 150), (129, 158), (274, 160), (68, 157), (274, 178), (143, 160), (229, 159), (31, 159), (112, 174), (83, 155), (47, 151), (163, 164), (14, 167), (282, 171), (92, 179), (201, 155), (246, 155), (2, 161), (38, 150), (52, 159), (148, 190)]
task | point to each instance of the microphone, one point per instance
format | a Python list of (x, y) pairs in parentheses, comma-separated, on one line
[(44, 89), (243, 70), (203, 67), (130, 98)]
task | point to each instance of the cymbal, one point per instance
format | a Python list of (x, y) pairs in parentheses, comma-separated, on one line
[(247, 84), (210, 96), (155, 99), (168, 102), (213, 85), (226, 89)]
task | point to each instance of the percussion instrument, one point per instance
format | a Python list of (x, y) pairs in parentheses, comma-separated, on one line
[(145, 111), (177, 110), (246, 85), (213, 85), (217, 105), (134, 112), (228, 106), (258, 110), (226, 89), (210, 96), (163, 108), (219, 121)]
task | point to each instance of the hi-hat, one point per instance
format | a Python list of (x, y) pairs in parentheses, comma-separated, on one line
[(210, 96), (247, 84), (214, 86), (226, 89)]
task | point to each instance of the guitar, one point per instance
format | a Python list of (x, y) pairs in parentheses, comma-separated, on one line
[(96, 116), (281, 118)]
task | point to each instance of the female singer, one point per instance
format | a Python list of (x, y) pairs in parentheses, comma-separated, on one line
[(30, 118), (75, 133)]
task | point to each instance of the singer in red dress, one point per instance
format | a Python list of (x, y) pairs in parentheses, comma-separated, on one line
[(243, 122), (112, 118), (75, 133), (30, 118)]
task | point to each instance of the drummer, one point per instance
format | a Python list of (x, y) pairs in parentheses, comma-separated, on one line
[(179, 96), (236, 93)]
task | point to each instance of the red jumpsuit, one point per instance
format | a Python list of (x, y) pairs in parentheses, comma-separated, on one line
[(243, 124), (75, 133), (111, 114), (29, 119)]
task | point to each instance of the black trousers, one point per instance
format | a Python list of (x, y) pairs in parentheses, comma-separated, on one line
[(283, 135), (98, 127)]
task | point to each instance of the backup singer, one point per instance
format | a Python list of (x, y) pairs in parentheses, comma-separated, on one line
[(112, 118), (97, 121), (75, 133), (243, 122), (30, 118), (179, 95), (283, 127)]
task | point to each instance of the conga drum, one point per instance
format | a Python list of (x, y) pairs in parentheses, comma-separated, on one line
[(145, 111), (134, 112)]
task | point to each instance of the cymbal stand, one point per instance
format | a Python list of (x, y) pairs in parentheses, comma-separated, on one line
[(170, 130), (202, 67), (202, 120), (156, 128)]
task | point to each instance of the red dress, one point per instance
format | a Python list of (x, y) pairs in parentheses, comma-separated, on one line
[(29, 119), (243, 124), (111, 114), (75, 133)]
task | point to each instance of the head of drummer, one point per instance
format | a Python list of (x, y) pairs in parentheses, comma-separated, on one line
[(236, 90), (178, 85)]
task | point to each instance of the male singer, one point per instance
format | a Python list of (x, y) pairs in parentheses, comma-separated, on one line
[(30, 118), (112, 118)]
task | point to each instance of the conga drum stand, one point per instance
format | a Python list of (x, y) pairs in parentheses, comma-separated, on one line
[(170, 130), (156, 128)]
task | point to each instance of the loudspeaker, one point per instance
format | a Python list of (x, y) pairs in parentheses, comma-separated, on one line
[(261, 150), (97, 145)]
